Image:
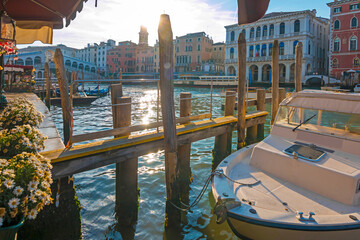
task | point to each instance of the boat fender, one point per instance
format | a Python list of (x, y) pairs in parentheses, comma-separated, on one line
[(222, 206)]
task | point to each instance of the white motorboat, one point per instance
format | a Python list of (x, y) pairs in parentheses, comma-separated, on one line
[(303, 180), (357, 88)]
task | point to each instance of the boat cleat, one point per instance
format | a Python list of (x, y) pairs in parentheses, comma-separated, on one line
[(302, 218)]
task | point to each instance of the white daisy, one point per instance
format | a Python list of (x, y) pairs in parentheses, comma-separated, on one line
[(14, 202), (32, 214), (32, 185), (9, 183), (18, 191)]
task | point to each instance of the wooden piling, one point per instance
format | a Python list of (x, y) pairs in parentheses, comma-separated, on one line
[(282, 94), (241, 90), (223, 143), (116, 92), (298, 66), (275, 81), (184, 173), (260, 106), (83, 83), (166, 49), (48, 87), (65, 99), (126, 172)]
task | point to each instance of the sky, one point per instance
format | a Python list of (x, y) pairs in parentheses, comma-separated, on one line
[(120, 20)]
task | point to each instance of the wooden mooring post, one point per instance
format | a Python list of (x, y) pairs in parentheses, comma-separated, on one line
[(223, 143), (282, 94), (298, 66), (48, 84), (260, 106), (275, 81), (64, 91), (184, 151), (172, 215), (241, 90)]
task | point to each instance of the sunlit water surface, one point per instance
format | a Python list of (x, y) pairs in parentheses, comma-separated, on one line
[(96, 188)]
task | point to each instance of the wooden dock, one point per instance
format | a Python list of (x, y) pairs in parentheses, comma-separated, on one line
[(89, 156)]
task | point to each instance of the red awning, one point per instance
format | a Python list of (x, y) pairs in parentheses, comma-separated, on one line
[(251, 10), (51, 11)]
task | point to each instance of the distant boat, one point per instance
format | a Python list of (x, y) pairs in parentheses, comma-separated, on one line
[(357, 88), (303, 180)]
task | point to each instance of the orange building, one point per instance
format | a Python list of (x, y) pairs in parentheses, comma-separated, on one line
[(122, 58), (191, 50)]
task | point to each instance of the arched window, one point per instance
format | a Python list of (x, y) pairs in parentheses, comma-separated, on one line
[(263, 50), (354, 22), (258, 32), (37, 60), (252, 33), (353, 43), (257, 51), (297, 26), (244, 32), (28, 62), (232, 53), (337, 45), (251, 51), (270, 49), (356, 62), (271, 32), (19, 62), (281, 48), (232, 36), (265, 30), (335, 63), (337, 25), (294, 45), (282, 28)]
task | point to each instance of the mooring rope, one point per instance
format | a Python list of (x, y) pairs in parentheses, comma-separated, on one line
[(203, 190)]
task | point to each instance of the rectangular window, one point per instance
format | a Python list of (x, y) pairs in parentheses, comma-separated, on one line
[(337, 10), (199, 47), (354, 6)]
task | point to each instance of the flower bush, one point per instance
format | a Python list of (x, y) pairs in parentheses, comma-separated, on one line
[(25, 181), (20, 112), (20, 139)]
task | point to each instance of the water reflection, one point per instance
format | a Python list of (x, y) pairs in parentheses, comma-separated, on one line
[(96, 188)]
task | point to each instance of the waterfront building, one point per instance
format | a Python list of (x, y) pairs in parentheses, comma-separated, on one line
[(101, 53), (191, 50), (122, 58), (37, 56), (216, 64), (156, 67), (345, 36), (144, 53), (88, 53), (289, 28)]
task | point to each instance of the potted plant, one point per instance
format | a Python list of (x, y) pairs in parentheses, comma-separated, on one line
[(20, 139), (25, 181), (20, 112)]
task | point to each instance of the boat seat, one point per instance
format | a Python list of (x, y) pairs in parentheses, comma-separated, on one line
[(329, 176)]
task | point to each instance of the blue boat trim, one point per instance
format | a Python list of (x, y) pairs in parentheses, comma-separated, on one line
[(293, 226)]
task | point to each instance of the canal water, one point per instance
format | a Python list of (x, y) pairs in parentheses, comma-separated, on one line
[(96, 188)]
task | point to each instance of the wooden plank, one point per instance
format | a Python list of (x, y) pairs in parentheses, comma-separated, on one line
[(260, 106), (140, 146), (136, 128), (241, 90)]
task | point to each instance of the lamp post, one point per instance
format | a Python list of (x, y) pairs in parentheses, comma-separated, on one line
[(7, 45)]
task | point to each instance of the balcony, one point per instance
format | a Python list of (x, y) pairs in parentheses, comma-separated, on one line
[(234, 60)]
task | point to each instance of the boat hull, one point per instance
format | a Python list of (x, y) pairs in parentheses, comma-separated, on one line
[(245, 229)]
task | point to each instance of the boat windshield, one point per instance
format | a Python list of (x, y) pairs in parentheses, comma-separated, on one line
[(333, 123)]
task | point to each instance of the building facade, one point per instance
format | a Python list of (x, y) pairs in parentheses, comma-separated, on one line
[(37, 56), (289, 28), (121, 58), (144, 53), (216, 65), (191, 50), (345, 36), (87, 54)]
